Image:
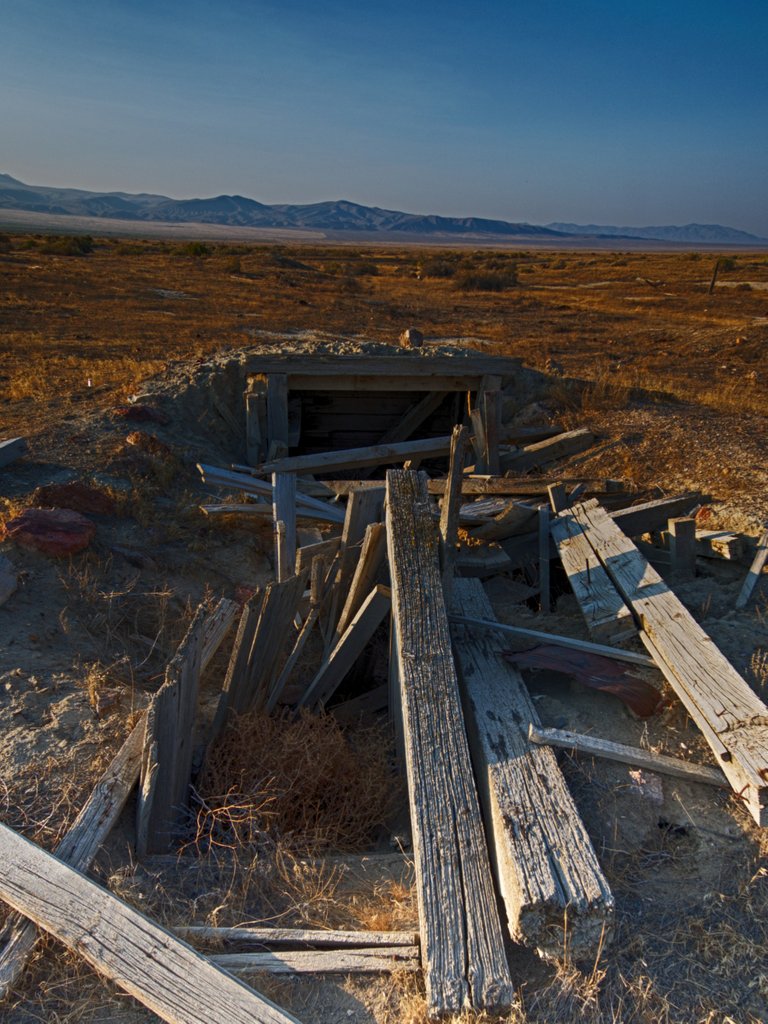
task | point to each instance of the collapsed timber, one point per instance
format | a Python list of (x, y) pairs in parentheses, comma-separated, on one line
[(490, 810)]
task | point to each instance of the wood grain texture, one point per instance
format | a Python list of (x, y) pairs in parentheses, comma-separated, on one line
[(730, 714), (169, 746), (462, 944), (449, 512), (296, 938), (368, 566), (554, 890), (166, 975), (376, 960), (594, 746), (242, 481), (607, 616), (80, 845), (543, 452)]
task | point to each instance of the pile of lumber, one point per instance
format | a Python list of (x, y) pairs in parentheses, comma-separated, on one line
[(500, 852)]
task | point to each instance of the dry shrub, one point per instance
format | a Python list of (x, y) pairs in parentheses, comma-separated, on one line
[(302, 781)]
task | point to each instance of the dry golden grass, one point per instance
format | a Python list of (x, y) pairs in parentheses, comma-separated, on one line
[(302, 781), (117, 315)]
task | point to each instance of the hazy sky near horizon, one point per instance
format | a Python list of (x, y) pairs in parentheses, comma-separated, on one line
[(631, 112)]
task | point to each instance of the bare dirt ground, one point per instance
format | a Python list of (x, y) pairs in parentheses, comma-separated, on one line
[(662, 371)]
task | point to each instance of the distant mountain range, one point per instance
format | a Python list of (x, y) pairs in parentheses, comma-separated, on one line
[(337, 216), (694, 233)]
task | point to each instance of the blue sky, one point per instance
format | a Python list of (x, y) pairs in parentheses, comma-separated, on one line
[(622, 112)]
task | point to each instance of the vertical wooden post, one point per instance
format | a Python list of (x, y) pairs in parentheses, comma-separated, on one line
[(491, 411), (558, 498), (284, 514), (277, 415), (682, 546), (256, 421), (449, 514), (544, 585)]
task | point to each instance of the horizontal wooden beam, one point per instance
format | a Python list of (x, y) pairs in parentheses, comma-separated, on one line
[(351, 458)]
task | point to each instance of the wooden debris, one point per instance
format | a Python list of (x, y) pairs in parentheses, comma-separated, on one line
[(369, 563), (277, 415), (376, 960), (364, 506), (305, 503), (365, 704), (524, 487), (178, 984), (733, 720), (595, 747), (653, 515), (515, 518), (284, 511), (543, 452), (216, 626), (755, 571), (349, 648), (256, 421), (351, 458), (296, 938), (617, 653), (278, 611), (682, 546), (544, 560), (558, 497), (325, 549), (80, 845), (449, 513), (556, 897), (167, 759), (603, 608), (482, 561), (462, 947), (11, 449)]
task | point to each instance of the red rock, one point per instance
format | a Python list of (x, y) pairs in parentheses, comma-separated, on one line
[(77, 496), (58, 531), (142, 414)]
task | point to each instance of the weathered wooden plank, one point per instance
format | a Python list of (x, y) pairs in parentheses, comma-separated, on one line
[(525, 487), (277, 415), (256, 422), (481, 561), (420, 365), (491, 412), (322, 549), (721, 703), (617, 653), (369, 563), (364, 506), (593, 746), (556, 897), (449, 512), (11, 449), (543, 452), (235, 680), (278, 612), (755, 571), (350, 458), (603, 608), (178, 984), (216, 626), (217, 477), (652, 515), (80, 844), (544, 591), (263, 511), (682, 546), (376, 960), (462, 946), (169, 746), (284, 511), (349, 648), (362, 706), (511, 434), (296, 938)]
